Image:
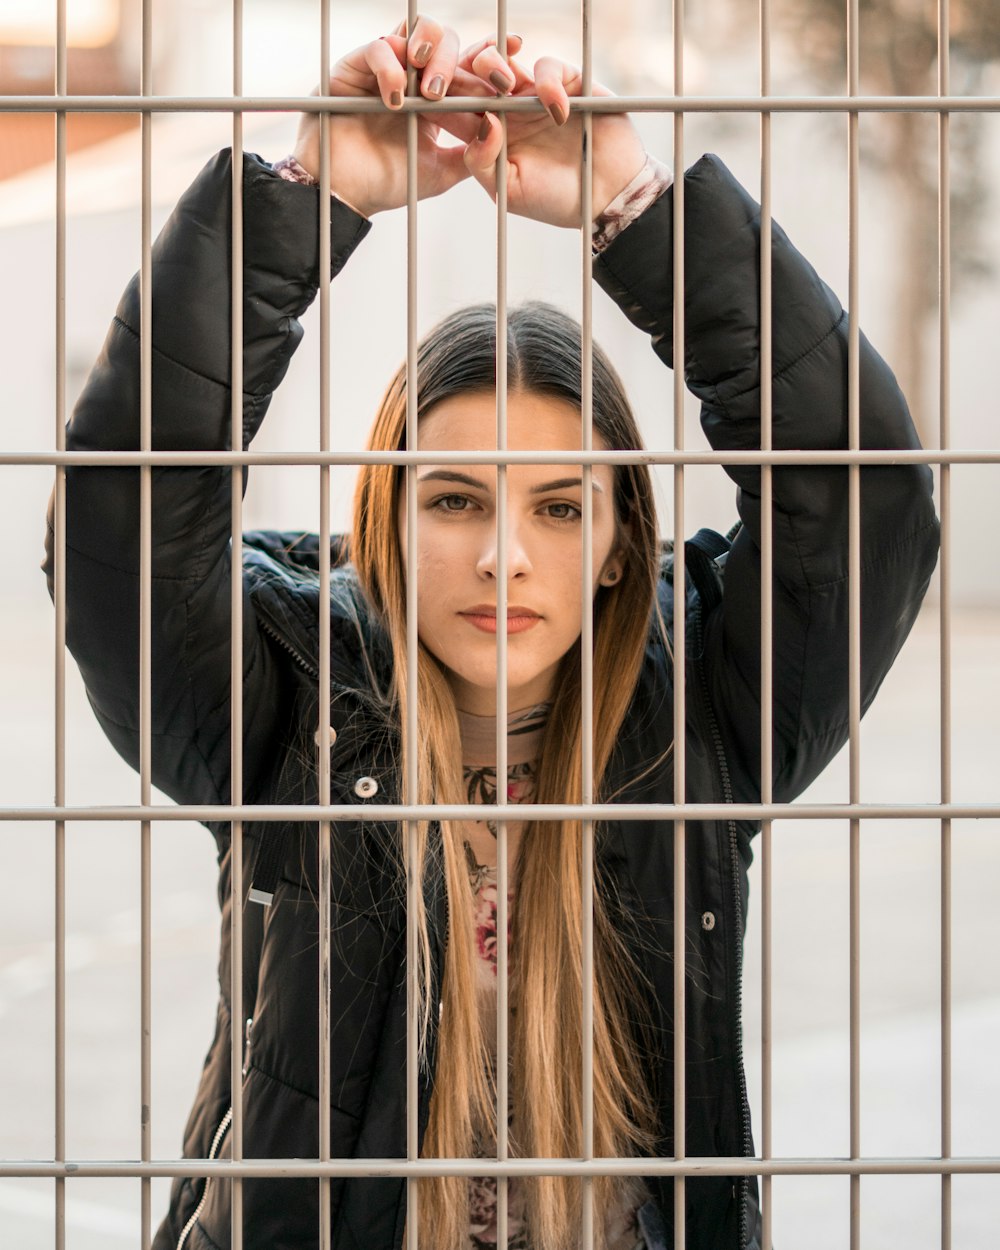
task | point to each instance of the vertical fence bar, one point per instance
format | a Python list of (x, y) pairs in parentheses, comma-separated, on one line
[(854, 614), (410, 739), (323, 694), (766, 620), (503, 968), (587, 626), (145, 621), (59, 595), (679, 641), (944, 441), (236, 644)]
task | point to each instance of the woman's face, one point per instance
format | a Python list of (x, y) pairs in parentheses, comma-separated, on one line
[(457, 566)]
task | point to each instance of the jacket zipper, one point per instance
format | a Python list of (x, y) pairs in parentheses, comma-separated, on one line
[(283, 642), (220, 1132), (734, 858)]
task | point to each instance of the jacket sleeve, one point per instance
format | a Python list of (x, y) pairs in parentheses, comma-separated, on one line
[(899, 532), (191, 540)]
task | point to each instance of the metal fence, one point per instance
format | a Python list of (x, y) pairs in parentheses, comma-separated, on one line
[(850, 105)]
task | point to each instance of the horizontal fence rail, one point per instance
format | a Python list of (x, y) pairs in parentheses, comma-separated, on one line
[(200, 459), (712, 1165), (607, 812), (501, 104)]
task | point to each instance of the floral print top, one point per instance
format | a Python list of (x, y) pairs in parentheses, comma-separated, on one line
[(524, 737)]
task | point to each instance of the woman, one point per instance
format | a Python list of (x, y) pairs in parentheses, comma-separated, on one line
[(457, 584)]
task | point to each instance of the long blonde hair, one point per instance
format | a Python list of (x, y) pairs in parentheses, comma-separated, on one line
[(543, 353)]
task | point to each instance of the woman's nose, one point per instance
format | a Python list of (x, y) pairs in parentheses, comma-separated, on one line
[(518, 562)]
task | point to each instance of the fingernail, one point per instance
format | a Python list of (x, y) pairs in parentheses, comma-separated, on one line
[(484, 128), (558, 114), (436, 85), (502, 83), (396, 99), (422, 54)]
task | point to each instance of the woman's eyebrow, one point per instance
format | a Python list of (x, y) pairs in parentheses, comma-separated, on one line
[(562, 483), (449, 475)]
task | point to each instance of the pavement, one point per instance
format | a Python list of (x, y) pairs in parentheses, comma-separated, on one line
[(900, 965)]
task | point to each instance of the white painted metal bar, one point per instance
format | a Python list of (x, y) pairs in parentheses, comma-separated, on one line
[(503, 865), (146, 621), (59, 658), (599, 812), (324, 742), (411, 727), (505, 104), (944, 440), (237, 893), (588, 1231), (854, 613), (680, 649), (124, 459), (766, 627), (709, 1165)]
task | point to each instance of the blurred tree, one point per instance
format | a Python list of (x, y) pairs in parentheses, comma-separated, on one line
[(899, 56)]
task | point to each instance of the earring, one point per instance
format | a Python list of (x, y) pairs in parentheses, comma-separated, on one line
[(610, 577)]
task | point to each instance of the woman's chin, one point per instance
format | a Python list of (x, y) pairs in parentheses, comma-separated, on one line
[(475, 688)]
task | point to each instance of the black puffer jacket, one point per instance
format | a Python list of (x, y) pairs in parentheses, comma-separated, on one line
[(191, 555)]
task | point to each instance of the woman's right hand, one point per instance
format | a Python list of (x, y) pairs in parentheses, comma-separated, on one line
[(368, 150)]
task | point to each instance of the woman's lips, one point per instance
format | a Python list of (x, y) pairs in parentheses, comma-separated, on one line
[(518, 620)]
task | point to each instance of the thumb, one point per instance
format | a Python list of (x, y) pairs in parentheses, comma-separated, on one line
[(450, 169), (481, 154)]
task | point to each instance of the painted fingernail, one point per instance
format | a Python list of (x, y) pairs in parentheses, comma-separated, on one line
[(422, 54), (396, 99), (558, 114), (436, 85), (502, 83), (484, 128)]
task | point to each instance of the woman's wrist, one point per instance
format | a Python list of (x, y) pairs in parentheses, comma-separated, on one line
[(652, 180), (292, 170)]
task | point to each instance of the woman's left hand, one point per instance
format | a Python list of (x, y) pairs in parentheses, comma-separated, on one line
[(543, 149)]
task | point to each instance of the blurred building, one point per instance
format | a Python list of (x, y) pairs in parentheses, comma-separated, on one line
[(101, 59)]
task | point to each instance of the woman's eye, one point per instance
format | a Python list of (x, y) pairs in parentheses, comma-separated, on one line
[(562, 511), (452, 503)]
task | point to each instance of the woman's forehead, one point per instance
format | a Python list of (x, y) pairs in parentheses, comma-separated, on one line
[(534, 421)]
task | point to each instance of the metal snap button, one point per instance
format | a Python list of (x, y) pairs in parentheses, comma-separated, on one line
[(708, 920), (333, 736), (365, 787)]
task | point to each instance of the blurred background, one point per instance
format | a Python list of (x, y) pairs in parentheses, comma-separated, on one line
[(901, 737)]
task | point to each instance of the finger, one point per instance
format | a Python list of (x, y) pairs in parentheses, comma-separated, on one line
[(514, 45), (523, 81), (464, 126), (440, 69), (398, 45), (401, 28), (481, 154), (449, 169), (493, 68), (354, 72), (425, 37), (465, 83), (552, 78), (389, 74)]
